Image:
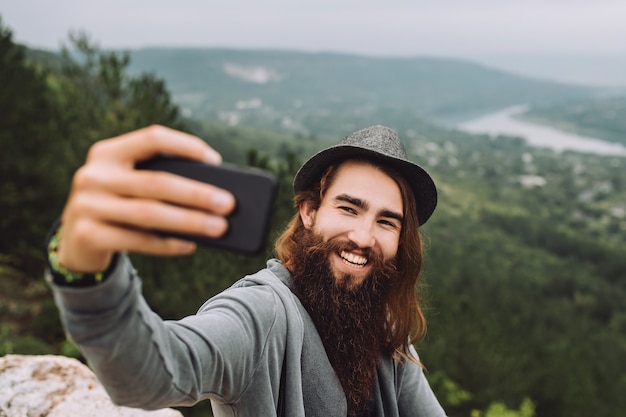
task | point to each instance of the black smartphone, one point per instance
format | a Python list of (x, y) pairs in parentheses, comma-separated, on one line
[(254, 190)]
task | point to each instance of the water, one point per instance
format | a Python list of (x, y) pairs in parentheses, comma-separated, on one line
[(503, 122)]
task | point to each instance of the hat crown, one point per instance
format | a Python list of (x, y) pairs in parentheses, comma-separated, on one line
[(379, 139)]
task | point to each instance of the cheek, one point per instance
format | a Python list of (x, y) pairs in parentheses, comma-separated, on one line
[(327, 225), (324, 230), (390, 247)]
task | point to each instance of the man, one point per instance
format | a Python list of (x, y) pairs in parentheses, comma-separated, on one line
[(325, 330)]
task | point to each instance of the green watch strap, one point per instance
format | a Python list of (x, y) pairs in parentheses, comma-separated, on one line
[(63, 276)]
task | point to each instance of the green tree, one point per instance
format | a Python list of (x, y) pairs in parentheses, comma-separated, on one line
[(31, 173), (101, 99), (49, 116), (527, 409)]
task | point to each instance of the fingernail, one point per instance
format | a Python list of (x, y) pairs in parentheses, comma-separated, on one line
[(222, 200), (187, 247), (212, 156), (216, 226)]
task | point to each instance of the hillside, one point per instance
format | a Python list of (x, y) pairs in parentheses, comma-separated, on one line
[(310, 92)]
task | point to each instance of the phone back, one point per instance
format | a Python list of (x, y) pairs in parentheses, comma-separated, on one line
[(254, 191)]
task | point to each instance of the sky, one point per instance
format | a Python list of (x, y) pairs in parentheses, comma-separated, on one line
[(562, 36)]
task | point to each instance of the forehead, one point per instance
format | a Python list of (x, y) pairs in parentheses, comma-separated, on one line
[(368, 182)]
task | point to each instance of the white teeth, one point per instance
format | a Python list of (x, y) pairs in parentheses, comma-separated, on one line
[(353, 259)]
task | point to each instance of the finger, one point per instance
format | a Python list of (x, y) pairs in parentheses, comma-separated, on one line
[(174, 189), (154, 185), (150, 141), (89, 245), (138, 241), (147, 214)]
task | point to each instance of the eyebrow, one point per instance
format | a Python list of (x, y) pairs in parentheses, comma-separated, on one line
[(363, 205)]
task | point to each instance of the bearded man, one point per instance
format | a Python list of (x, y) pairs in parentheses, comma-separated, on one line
[(325, 330)]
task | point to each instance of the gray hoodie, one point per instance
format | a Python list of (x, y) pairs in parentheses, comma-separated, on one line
[(252, 350)]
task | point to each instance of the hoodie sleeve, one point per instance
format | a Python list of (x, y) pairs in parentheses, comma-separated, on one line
[(149, 363), (415, 397)]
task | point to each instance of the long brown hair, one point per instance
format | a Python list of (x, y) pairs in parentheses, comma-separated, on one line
[(406, 323)]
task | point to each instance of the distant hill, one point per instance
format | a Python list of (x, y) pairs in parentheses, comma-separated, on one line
[(50, 59), (305, 92)]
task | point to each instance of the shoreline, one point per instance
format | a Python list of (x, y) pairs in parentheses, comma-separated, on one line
[(508, 122)]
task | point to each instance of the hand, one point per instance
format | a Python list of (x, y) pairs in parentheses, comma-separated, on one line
[(112, 206)]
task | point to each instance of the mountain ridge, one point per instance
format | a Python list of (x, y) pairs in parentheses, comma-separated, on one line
[(303, 91)]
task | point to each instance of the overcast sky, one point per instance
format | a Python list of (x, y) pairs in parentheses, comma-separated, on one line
[(451, 28)]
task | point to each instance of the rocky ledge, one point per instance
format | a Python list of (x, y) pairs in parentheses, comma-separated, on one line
[(57, 386)]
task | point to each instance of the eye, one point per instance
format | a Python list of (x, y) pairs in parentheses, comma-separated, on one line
[(389, 223), (347, 209)]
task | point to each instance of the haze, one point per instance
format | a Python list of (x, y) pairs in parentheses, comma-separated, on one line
[(573, 41)]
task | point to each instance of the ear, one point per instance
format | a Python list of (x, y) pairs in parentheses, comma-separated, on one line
[(307, 214)]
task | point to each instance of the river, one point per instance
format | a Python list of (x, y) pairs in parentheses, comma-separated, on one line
[(503, 122)]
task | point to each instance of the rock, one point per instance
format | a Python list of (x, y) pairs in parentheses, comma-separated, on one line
[(57, 386)]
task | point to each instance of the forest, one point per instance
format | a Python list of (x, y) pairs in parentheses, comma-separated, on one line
[(525, 275)]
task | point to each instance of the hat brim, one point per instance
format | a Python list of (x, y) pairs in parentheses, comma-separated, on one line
[(420, 181)]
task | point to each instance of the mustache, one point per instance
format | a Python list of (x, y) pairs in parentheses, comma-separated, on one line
[(312, 259), (318, 246)]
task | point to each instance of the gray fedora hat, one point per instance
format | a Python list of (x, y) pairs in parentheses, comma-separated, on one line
[(378, 143)]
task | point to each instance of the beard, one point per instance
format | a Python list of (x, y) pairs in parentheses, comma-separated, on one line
[(350, 318)]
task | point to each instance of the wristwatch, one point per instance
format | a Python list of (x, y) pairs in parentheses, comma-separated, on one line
[(60, 275)]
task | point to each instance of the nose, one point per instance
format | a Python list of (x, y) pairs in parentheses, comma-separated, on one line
[(361, 234)]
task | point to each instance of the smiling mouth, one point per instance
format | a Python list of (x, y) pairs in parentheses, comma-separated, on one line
[(353, 260)]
